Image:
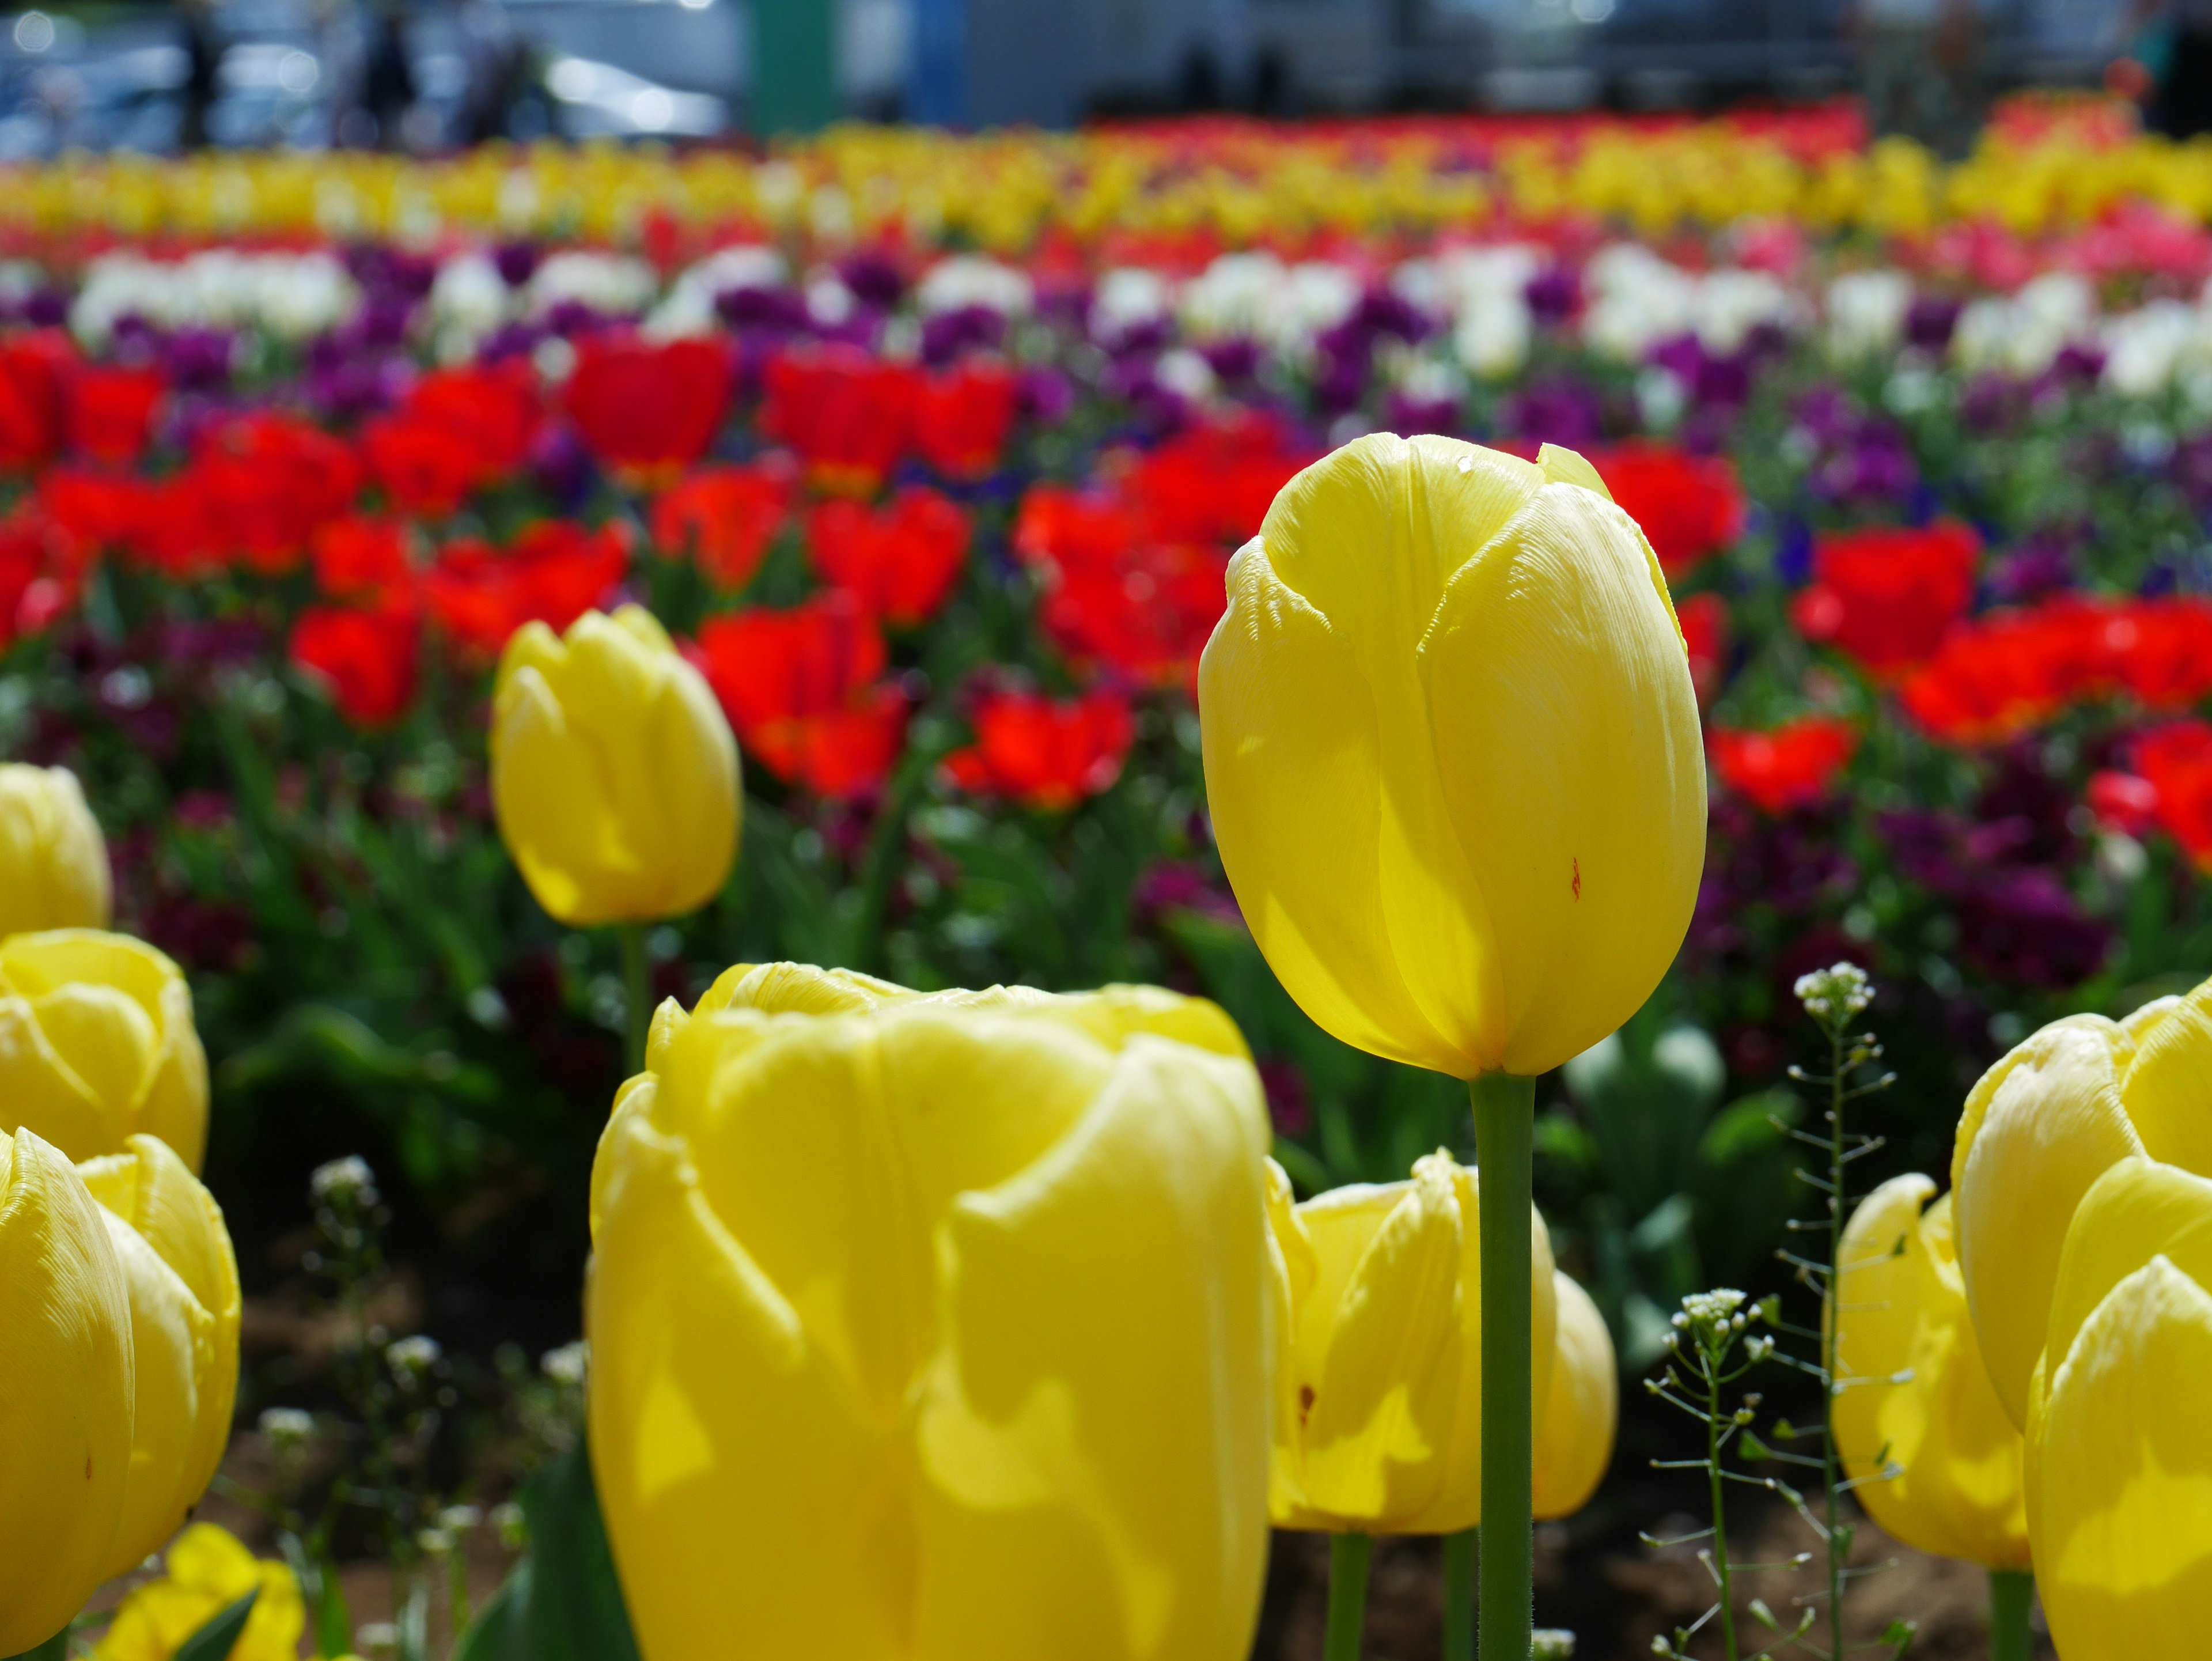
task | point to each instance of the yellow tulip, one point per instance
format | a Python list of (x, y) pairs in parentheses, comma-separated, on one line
[(53, 861), (65, 1392), (1915, 1394), (614, 775), (2069, 1102), (1378, 1415), (1583, 1411), (176, 1259), (208, 1571), (1452, 754), (934, 1326), (97, 1044), (2119, 1440)]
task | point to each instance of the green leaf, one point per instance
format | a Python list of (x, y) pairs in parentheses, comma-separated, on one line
[(54, 1649), (562, 1602), (216, 1640), (1753, 1447)]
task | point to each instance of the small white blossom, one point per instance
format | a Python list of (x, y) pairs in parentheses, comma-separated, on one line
[(1835, 994), (567, 1365), (347, 1181)]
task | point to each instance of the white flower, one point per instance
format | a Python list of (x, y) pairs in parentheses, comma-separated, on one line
[(689, 307), (1731, 303), (1867, 312), (1837, 992), (344, 1181), (567, 1365), (1185, 373), (2025, 333), (968, 279), (412, 1358), (1636, 301), (1129, 298), (1230, 296), (615, 285), (2145, 349), (287, 1428)]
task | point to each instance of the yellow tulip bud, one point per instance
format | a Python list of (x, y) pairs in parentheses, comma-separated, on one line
[(1915, 1394), (934, 1327), (185, 1304), (1452, 754), (1583, 1412), (53, 861), (614, 775), (97, 1044), (208, 1571), (65, 1392), (1379, 1398), (2119, 1443), (2041, 1126)]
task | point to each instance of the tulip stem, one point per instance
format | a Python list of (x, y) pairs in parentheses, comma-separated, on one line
[(1459, 1594), (637, 987), (2012, 1592), (1349, 1555), (1505, 1126)]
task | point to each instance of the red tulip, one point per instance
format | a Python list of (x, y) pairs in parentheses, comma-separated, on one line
[(107, 413), (2160, 651), (848, 415), (1886, 597), (268, 479), (30, 370), (1704, 623), (494, 409), (1791, 766), (177, 528), (1215, 482), (900, 561), (553, 573), (1113, 596), (420, 467), (726, 517), (2125, 801), (361, 558), (366, 657), (1689, 506), (648, 411), (802, 689), (102, 511), (2002, 675), (2176, 761), (40, 573), (1044, 752), (962, 416)]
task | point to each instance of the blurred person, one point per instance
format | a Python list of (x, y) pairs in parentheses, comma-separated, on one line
[(1918, 69), (203, 58), (387, 76), (2173, 43)]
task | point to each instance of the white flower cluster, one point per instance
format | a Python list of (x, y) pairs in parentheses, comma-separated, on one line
[(290, 295), (1835, 994), (568, 1365), (347, 1181), (411, 1359)]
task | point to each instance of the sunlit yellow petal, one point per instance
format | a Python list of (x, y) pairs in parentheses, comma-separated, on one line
[(1574, 1446)]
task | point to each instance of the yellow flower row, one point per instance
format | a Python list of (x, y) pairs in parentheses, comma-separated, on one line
[(1006, 191)]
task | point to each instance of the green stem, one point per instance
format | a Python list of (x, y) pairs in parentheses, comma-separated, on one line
[(638, 988), (1349, 1555), (1504, 1123), (1721, 1572), (1839, 1538), (2012, 1592), (1459, 1594)]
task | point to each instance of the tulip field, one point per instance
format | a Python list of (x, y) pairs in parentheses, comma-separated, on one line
[(836, 902)]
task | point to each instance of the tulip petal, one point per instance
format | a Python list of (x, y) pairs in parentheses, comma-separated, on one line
[(693, 764), (2169, 1083), (43, 1093), (1915, 1396), (65, 1392), (2123, 1469), (785, 1516), (1574, 1446), (2037, 1129), (106, 1038), (549, 802), (2137, 1210), (1292, 744), (1077, 1503), (1382, 1409), (1571, 762)]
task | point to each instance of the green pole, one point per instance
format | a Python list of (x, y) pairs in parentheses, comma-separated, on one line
[(1504, 1127), (2012, 1592), (1459, 1594), (1349, 1555), (794, 66)]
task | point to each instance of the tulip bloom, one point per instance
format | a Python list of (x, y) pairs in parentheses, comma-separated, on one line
[(1915, 1394), (1378, 1422), (1886, 597), (41, 566), (2067, 1104), (614, 776), (1704, 623), (106, 412), (176, 1256), (1793, 765), (32, 366), (1581, 1414), (361, 558), (849, 416), (804, 689), (726, 517), (2119, 1449), (65, 1395), (552, 573), (648, 411), (1452, 754), (961, 418), (365, 656), (1689, 506), (1044, 752), (97, 1044), (898, 561), (266, 482), (53, 861), (927, 1327), (208, 1571)]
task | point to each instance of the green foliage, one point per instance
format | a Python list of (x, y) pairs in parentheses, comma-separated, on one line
[(216, 1640), (561, 1602)]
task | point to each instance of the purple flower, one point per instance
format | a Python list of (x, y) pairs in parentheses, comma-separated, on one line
[(755, 307), (517, 261), (874, 279), (963, 328), (1044, 395), (1554, 294), (1234, 360), (1555, 409), (1930, 321)]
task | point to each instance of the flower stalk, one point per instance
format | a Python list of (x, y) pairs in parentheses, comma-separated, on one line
[(1504, 1121), (1349, 1556)]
